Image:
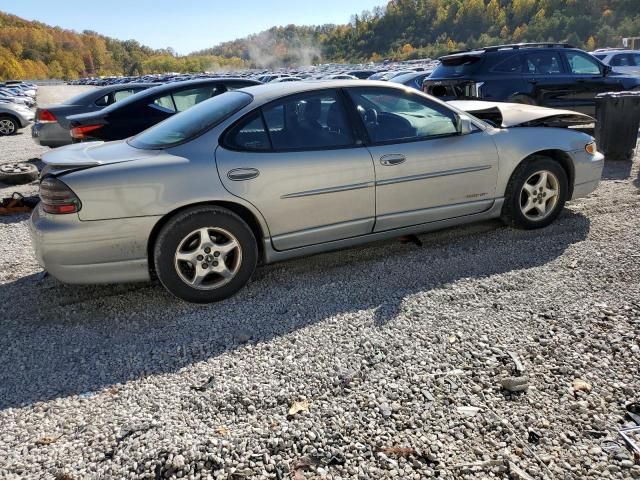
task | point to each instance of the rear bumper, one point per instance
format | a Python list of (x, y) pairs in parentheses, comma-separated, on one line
[(26, 119), (50, 135), (83, 252)]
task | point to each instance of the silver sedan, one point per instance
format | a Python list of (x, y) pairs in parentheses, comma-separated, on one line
[(278, 171)]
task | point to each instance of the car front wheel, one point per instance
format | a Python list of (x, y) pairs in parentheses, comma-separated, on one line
[(536, 193), (205, 254)]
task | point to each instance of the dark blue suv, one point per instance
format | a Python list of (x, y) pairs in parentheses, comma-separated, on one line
[(550, 75)]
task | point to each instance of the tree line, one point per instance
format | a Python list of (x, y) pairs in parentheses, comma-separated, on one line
[(34, 50), (403, 29)]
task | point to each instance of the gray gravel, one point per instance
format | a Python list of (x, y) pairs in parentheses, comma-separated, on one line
[(388, 347)]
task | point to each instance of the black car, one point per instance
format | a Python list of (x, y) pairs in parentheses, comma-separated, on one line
[(549, 75), (51, 127), (143, 110)]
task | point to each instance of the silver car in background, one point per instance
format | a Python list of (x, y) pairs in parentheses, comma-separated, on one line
[(14, 116), (620, 59), (278, 171)]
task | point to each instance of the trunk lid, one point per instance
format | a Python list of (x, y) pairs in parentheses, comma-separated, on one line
[(90, 155)]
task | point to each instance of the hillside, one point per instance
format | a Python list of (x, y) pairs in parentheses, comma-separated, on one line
[(404, 29), (37, 51), (426, 28)]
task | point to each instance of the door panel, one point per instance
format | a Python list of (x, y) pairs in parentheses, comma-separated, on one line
[(440, 178), (306, 197), (590, 80), (425, 170), (299, 164), (550, 82)]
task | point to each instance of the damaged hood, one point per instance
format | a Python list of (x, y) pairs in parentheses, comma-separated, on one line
[(91, 154), (507, 115)]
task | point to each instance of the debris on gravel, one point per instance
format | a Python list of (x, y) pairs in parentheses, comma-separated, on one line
[(386, 351)]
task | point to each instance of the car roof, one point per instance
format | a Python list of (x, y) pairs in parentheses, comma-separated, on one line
[(613, 51), (194, 82), (272, 91), (508, 49)]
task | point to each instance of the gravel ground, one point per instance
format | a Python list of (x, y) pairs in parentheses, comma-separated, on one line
[(354, 364)]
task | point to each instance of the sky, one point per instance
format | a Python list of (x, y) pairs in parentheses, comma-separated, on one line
[(184, 25)]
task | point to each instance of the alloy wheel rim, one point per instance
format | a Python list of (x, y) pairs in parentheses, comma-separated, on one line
[(539, 195), (7, 127), (208, 258)]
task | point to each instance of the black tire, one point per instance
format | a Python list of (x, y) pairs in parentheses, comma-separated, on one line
[(524, 99), (18, 173), (512, 213), (178, 229), (8, 125)]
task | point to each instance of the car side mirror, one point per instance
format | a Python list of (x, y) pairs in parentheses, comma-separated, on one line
[(463, 125), (607, 70)]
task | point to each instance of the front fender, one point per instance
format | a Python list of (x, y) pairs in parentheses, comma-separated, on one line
[(517, 144)]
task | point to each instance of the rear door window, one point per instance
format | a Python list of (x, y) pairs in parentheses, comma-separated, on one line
[(249, 135), (313, 120), (512, 64), (543, 63)]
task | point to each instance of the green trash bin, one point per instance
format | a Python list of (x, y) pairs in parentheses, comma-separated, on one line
[(617, 124)]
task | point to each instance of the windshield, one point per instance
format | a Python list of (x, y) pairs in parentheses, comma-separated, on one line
[(457, 66), (192, 122)]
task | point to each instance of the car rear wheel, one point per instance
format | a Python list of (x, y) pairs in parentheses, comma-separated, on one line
[(205, 254), (8, 125), (536, 193)]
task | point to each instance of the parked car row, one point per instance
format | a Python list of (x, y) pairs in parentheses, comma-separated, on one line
[(315, 72), (16, 100)]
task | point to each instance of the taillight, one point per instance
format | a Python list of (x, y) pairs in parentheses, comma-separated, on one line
[(57, 197), (45, 116), (81, 132)]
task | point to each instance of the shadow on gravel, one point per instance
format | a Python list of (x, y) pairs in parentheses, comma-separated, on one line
[(17, 218), (59, 340)]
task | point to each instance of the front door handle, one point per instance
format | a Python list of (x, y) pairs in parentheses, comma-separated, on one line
[(392, 159), (239, 174)]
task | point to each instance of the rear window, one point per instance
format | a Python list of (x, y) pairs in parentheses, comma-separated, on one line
[(192, 122), (457, 66), (83, 99)]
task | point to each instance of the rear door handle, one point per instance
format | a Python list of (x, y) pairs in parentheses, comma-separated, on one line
[(240, 174), (392, 159)]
